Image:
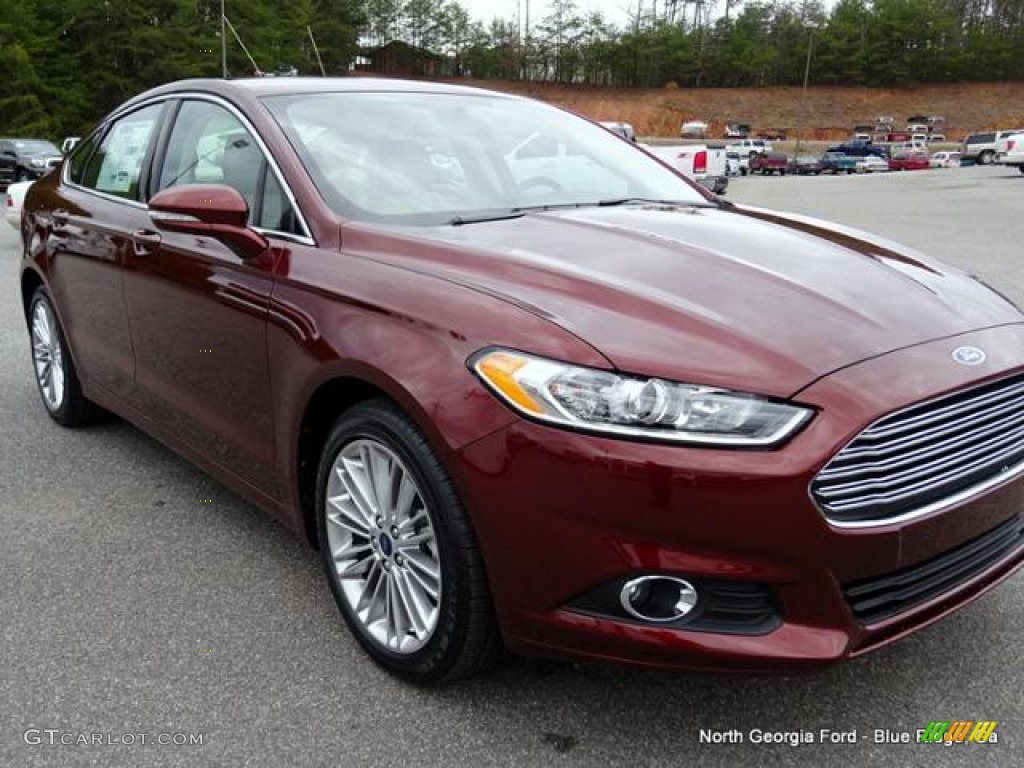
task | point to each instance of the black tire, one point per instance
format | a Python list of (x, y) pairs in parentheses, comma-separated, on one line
[(74, 409), (1020, 168), (23, 176), (466, 639), (986, 157)]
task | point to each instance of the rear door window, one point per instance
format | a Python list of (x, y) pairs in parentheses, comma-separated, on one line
[(116, 166)]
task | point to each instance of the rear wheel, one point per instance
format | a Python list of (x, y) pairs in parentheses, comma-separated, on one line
[(1020, 168), (986, 157), (23, 176), (54, 369), (400, 554)]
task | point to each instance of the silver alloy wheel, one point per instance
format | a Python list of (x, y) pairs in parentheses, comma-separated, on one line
[(48, 356), (383, 546)]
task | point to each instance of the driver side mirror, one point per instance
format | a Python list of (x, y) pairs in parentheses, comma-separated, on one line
[(214, 210)]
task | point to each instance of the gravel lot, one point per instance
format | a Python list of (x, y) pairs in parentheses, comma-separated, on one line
[(141, 597)]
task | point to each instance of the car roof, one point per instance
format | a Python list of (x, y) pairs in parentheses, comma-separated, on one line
[(245, 89), (273, 86)]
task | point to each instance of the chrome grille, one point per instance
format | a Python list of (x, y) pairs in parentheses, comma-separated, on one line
[(926, 455)]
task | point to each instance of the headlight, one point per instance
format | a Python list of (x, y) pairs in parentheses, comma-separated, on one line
[(35, 162), (616, 404)]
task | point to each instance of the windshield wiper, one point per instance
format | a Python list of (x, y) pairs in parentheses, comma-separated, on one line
[(650, 201), (458, 219)]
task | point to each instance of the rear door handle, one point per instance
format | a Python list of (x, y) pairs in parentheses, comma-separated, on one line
[(145, 241)]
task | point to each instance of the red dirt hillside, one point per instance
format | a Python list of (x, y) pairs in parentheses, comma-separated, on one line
[(830, 111)]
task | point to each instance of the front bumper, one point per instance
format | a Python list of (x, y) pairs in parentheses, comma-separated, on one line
[(560, 514)]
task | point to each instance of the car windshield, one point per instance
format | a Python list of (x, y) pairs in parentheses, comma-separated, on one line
[(428, 158), (36, 147)]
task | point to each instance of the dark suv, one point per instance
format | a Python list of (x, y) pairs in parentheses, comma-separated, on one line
[(26, 159), (860, 149)]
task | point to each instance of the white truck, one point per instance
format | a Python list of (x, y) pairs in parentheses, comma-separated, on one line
[(704, 164), (750, 147), (1010, 150)]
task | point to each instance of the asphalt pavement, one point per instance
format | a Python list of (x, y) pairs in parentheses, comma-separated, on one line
[(141, 598)]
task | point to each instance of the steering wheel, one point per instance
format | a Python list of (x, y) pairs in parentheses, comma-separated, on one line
[(540, 181)]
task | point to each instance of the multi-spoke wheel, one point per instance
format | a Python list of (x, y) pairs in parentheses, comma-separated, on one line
[(54, 369), (383, 546), (47, 356), (399, 551)]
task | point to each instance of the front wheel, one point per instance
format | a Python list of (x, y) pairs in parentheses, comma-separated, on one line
[(23, 176), (1020, 168), (400, 554)]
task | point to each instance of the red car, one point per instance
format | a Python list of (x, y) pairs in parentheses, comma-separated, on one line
[(909, 161), (769, 162), (525, 386)]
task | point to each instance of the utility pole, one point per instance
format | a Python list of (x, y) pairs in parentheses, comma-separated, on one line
[(526, 53), (803, 93), (223, 44), (316, 51)]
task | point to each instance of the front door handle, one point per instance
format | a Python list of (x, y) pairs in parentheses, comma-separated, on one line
[(145, 241), (59, 219)]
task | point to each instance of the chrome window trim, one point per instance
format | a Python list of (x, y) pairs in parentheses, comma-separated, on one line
[(305, 238)]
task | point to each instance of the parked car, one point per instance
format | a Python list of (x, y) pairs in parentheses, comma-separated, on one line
[(858, 149), (706, 165), (26, 159), (937, 138), (736, 130), (981, 147), (805, 165), (1010, 150), (735, 164), (749, 147), (909, 161), (541, 162), (769, 163), (871, 164), (625, 130), (838, 162), (694, 129), (944, 160), (13, 199), (629, 423)]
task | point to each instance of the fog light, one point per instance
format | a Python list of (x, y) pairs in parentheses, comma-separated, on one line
[(658, 598)]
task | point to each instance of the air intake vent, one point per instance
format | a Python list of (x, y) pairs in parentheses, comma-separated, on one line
[(881, 597)]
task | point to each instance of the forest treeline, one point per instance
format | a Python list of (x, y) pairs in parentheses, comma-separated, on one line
[(64, 63)]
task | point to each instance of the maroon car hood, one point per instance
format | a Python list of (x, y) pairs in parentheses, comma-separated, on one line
[(730, 298)]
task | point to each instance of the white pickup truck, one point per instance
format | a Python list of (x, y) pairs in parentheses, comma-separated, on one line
[(705, 165), (1010, 150)]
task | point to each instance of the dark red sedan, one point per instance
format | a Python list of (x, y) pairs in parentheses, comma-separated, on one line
[(524, 385), (910, 161)]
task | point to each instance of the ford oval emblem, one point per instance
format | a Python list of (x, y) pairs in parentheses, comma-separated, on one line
[(969, 355)]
